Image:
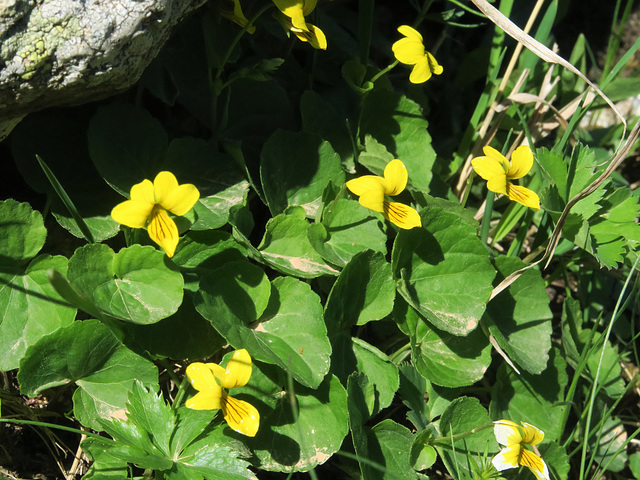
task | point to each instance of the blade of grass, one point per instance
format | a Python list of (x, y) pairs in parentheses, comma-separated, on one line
[(69, 205)]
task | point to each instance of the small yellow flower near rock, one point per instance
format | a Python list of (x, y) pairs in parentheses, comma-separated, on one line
[(231, 10), (293, 13), (212, 382), (372, 190), (513, 436), (149, 204), (497, 171), (410, 51)]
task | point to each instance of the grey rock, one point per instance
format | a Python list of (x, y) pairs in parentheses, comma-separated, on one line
[(67, 52)]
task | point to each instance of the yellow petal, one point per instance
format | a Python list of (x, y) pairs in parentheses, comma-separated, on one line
[(232, 10), (507, 458), (507, 432), (401, 215), (360, 185), (202, 378), (373, 200), (132, 213), (493, 172), (523, 195), (535, 464), (408, 51), (163, 185), (531, 435), (294, 9), (143, 192), (240, 415), (314, 36), (410, 32), (208, 400), (308, 6), (433, 64), (496, 155), (521, 162), (421, 71), (182, 199), (238, 370), (163, 230), (395, 177)]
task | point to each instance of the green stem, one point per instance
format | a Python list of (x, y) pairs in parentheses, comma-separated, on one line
[(486, 218), (400, 354), (458, 436), (53, 426), (182, 389), (382, 72)]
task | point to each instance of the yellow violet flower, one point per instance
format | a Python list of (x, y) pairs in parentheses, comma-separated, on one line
[(497, 171), (293, 20), (372, 190), (231, 10), (512, 436), (149, 204), (410, 51), (212, 382)]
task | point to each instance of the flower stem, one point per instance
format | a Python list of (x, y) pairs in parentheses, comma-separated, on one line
[(486, 218), (181, 391), (458, 436), (382, 72)]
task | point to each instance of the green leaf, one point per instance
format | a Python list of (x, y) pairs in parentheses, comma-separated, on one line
[(289, 332), (634, 464), (534, 399), (138, 284), (463, 415), (389, 446), (347, 228), (30, 308), (320, 118), (101, 227), (556, 459), (397, 123), (126, 145), (449, 360), (88, 354), (287, 445), (612, 437), (358, 403), (444, 270), (382, 372), (375, 155), (148, 411), (413, 388), (23, 233), (519, 317), (288, 181), (103, 464), (363, 292), (286, 247)]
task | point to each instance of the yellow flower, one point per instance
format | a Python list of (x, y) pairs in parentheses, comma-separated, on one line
[(512, 436), (372, 190), (231, 10), (497, 171), (410, 51), (293, 20), (149, 204), (212, 381)]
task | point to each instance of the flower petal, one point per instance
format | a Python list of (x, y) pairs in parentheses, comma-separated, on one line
[(507, 432), (238, 370), (208, 400), (408, 51), (360, 185), (182, 199), (507, 458), (433, 64), (313, 35), (202, 378), (531, 435), (523, 195), (241, 416), (535, 464), (410, 32), (373, 200), (143, 192), (395, 177), (521, 162), (401, 215), (232, 10), (163, 230), (492, 171), (294, 9), (308, 6), (163, 185), (132, 213), (421, 71)]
